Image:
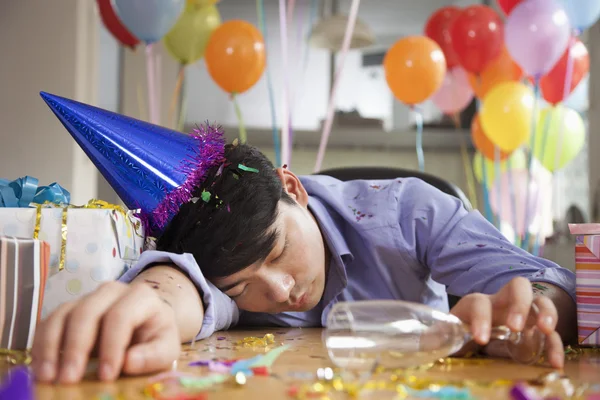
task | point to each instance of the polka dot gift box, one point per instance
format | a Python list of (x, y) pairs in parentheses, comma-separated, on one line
[(101, 244)]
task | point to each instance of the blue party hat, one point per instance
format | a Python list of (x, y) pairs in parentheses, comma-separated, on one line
[(151, 168)]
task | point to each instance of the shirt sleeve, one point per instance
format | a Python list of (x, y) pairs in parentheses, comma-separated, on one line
[(220, 312), (462, 249)]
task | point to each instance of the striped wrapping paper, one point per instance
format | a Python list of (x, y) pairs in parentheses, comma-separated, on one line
[(587, 262), (23, 275)]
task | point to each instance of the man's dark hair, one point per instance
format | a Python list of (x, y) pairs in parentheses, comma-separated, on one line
[(228, 225)]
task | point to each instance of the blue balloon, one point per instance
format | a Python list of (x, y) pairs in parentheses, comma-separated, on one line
[(149, 20), (579, 99), (582, 13)]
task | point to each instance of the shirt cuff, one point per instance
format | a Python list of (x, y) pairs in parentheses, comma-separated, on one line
[(220, 312)]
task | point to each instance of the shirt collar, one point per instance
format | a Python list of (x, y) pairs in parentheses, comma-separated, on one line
[(337, 279)]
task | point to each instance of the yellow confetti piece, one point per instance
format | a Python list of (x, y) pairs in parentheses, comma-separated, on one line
[(253, 341)]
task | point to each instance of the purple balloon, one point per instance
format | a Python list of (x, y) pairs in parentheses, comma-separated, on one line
[(537, 33)]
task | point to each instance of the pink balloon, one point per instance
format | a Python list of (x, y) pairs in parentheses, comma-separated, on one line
[(455, 94), (537, 33), (512, 205)]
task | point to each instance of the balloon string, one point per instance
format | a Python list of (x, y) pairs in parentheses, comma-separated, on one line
[(260, 10), (567, 88), (175, 96), (419, 141), (241, 124), (285, 110), (182, 113), (534, 114), (151, 74), (353, 14), (499, 187), (141, 102), (489, 215), (158, 83), (538, 237), (513, 201), (467, 164)]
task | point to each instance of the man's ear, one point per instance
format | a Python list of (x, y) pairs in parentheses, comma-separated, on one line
[(292, 186)]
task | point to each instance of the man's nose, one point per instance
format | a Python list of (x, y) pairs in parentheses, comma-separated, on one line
[(279, 286)]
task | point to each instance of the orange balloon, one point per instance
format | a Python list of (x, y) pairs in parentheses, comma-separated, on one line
[(414, 69), (483, 143), (236, 56), (501, 69)]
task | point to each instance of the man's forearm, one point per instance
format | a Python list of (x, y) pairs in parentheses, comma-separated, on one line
[(177, 290), (565, 306)]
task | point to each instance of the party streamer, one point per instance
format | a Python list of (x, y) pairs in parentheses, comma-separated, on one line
[(260, 10), (536, 91), (331, 106), (419, 141), (285, 150), (151, 73), (467, 164)]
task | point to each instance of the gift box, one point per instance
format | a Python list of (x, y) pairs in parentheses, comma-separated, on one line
[(89, 244), (587, 263), (23, 276)]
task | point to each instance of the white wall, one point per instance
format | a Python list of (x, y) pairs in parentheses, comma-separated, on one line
[(46, 46)]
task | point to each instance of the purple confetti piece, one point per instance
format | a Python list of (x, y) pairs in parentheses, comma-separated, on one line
[(480, 245), (221, 338), (199, 363)]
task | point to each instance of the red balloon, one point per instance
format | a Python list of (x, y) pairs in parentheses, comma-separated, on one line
[(508, 5), (438, 29), (477, 37), (553, 83), (114, 24)]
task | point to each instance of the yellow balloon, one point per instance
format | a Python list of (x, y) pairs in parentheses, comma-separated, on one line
[(506, 114), (203, 3), (517, 160), (552, 123), (187, 40)]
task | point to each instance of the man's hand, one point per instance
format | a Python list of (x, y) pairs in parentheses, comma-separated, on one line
[(131, 327), (510, 307)]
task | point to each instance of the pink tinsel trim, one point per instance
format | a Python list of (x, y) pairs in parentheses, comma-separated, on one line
[(208, 153)]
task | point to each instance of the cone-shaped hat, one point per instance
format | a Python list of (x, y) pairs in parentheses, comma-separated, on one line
[(151, 168)]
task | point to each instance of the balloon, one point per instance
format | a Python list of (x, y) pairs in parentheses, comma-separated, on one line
[(414, 69), (518, 160), (502, 69), (149, 20), (520, 204), (187, 40), (579, 100), (455, 94), (114, 25), (582, 13), (438, 29), (477, 35), (482, 143), (537, 32), (235, 56), (508, 5), (506, 114), (553, 83), (203, 3), (555, 121)]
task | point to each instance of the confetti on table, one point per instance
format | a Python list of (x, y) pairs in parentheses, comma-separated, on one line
[(253, 341), (202, 382)]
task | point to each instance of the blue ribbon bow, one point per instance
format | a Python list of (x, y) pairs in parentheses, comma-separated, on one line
[(23, 191)]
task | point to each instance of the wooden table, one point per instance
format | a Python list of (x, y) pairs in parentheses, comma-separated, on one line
[(306, 355)]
